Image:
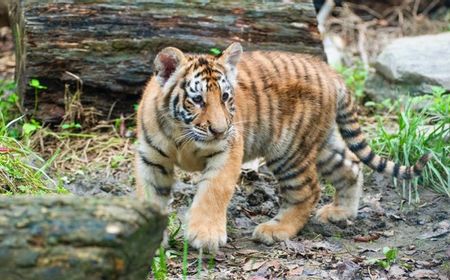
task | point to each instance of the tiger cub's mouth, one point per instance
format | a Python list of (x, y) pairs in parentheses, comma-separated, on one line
[(200, 135)]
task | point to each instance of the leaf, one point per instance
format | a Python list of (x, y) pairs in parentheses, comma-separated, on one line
[(29, 128), (71, 126), (390, 254), (36, 84), (252, 265), (366, 238), (215, 51)]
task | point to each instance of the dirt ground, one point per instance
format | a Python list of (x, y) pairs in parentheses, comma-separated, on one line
[(420, 232)]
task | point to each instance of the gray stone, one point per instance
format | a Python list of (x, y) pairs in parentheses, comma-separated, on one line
[(411, 65)]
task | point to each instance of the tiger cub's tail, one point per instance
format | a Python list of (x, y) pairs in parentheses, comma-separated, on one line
[(351, 132)]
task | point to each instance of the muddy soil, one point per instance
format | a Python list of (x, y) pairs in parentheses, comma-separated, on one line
[(420, 232)]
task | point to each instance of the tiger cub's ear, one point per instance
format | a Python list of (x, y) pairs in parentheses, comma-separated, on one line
[(166, 62), (230, 58)]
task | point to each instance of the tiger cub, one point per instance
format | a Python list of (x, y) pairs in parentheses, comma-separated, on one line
[(211, 114)]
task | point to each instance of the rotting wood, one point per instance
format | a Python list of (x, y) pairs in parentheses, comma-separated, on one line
[(111, 44)]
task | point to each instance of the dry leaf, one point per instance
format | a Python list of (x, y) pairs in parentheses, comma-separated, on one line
[(252, 264), (295, 271)]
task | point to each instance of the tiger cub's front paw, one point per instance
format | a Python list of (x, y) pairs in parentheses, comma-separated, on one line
[(206, 232)]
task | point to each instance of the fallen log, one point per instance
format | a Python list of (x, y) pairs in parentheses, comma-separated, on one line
[(110, 45), (66, 237)]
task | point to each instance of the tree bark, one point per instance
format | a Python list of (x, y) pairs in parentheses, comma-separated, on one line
[(110, 45), (65, 237)]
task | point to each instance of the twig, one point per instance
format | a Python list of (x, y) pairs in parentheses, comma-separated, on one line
[(323, 14), (430, 6)]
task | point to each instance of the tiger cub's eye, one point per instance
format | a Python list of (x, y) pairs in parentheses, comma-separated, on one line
[(198, 99), (225, 96)]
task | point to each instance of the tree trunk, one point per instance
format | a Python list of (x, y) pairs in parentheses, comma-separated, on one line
[(110, 45), (65, 237)]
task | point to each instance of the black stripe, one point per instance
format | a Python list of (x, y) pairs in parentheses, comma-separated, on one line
[(337, 165), (368, 159), (346, 115), (348, 133), (313, 138), (396, 170), (346, 122), (297, 186), (163, 126), (174, 106), (347, 102), (274, 160), (292, 175), (152, 164), (213, 154), (407, 174), (324, 162), (149, 141), (382, 165), (161, 190), (294, 64), (303, 68), (275, 67), (357, 147), (254, 93), (294, 149), (337, 182), (266, 87), (416, 169), (300, 201)]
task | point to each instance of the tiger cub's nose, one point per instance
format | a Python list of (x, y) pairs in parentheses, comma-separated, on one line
[(217, 132)]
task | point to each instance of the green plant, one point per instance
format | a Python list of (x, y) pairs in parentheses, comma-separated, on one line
[(159, 264), (422, 129), (30, 127), (22, 170), (355, 78), (173, 229), (9, 106), (329, 190), (390, 257), (71, 126), (185, 260), (34, 83), (215, 51)]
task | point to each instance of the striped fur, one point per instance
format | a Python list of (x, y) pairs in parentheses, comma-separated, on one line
[(210, 114)]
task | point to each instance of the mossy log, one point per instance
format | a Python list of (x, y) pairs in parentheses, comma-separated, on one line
[(65, 237), (110, 45)]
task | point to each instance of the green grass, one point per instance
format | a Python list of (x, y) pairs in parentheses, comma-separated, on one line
[(177, 253), (21, 170), (355, 79), (423, 127)]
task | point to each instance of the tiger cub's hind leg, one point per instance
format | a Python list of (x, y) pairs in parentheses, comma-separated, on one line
[(300, 192), (342, 168)]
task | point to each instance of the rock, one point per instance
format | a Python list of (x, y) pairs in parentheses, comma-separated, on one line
[(411, 65), (347, 269), (423, 274), (396, 271)]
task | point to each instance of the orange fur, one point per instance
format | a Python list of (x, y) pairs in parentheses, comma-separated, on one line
[(210, 114)]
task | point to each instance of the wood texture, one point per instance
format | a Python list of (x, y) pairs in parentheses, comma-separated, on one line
[(111, 44), (65, 237)]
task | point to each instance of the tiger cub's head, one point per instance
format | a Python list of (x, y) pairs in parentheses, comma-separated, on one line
[(198, 91)]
